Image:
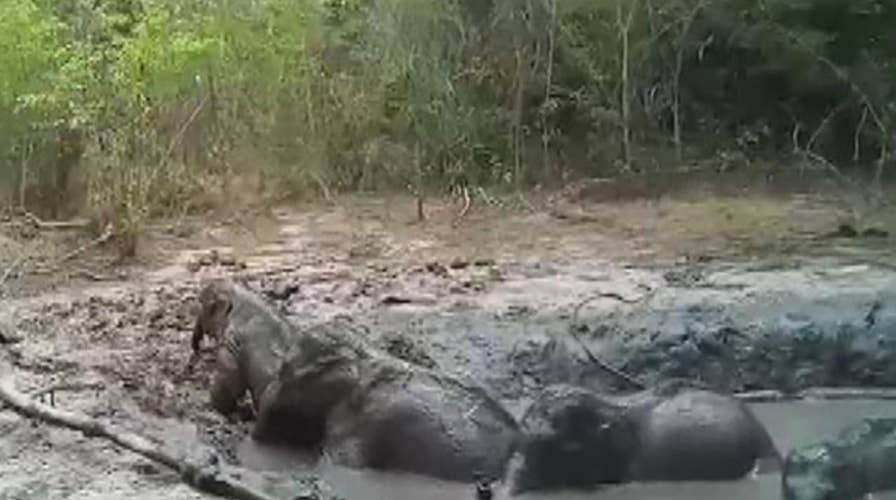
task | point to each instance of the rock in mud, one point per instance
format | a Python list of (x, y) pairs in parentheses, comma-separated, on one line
[(858, 461)]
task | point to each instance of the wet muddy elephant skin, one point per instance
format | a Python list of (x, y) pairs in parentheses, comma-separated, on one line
[(369, 410), (252, 340), (579, 439), (701, 435), (861, 459)]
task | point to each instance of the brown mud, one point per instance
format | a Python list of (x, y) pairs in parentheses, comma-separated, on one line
[(493, 298)]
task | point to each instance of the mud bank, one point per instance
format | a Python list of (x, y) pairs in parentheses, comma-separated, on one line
[(508, 325), (733, 327)]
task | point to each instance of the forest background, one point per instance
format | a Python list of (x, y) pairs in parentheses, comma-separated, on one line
[(147, 108)]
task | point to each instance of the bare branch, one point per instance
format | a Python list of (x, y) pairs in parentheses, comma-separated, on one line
[(54, 225), (183, 129), (862, 95), (547, 106), (857, 137), (11, 268), (90, 244), (205, 478), (824, 123), (603, 365)]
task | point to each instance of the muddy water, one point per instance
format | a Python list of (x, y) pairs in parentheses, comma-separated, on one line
[(791, 425)]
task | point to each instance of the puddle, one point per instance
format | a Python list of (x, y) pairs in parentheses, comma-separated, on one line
[(791, 425)]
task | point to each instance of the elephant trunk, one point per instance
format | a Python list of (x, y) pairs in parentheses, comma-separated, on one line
[(769, 459)]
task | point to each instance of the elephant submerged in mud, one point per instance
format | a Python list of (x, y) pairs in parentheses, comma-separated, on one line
[(860, 460), (367, 410), (324, 388), (578, 439)]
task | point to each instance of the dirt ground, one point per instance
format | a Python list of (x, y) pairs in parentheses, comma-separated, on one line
[(117, 334)]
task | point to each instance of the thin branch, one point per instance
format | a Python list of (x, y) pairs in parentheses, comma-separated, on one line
[(23, 182), (52, 225), (593, 357), (90, 244), (857, 137), (607, 295), (810, 156), (824, 162), (183, 129), (603, 365), (545, 136), (12, 268), (624, 25), (824, 123), (795, 136), (869, 104), (65, 387), (676, 81)]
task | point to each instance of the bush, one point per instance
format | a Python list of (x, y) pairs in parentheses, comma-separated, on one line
[(149, 103)]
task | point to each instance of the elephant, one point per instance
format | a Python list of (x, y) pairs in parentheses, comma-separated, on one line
[(577, 438), (861, 459), (365, 409), (323, 387), (251, 337)]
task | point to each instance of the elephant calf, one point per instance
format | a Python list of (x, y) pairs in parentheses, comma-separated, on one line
[(251, 341), (859, 460), (578, 439)]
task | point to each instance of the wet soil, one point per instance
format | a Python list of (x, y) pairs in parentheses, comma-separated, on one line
[(739, 293)]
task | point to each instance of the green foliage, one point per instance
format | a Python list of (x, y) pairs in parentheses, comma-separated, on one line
[(149, 103)]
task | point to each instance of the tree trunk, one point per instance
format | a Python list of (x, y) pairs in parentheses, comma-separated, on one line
[(624, 22), (676, 105), (545, 135)]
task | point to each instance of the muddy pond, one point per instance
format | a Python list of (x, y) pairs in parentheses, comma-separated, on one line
[(791, 424), (741, 329), (514, 327)]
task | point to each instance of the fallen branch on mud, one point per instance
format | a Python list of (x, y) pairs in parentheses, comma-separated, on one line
[(577, 217), (206, 478), (103, 238), (603, 365), (608, 295), (106, 236), (12, 268), (819, 393), (51, 390), (54, 225)]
